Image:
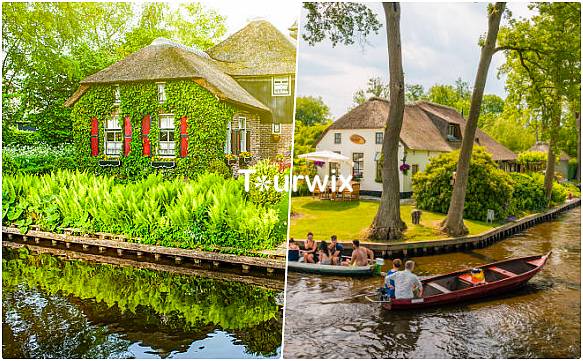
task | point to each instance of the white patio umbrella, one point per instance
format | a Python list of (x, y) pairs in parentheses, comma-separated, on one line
[(326, 156)]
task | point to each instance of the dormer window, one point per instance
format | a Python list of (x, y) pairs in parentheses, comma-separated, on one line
[(161, 92), (276, 128), (281, 86), (453, 132), (116, 94)]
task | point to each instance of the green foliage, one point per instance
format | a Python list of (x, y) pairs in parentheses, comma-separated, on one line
[(265, 170), (196, 301), (38, 159), (488, 186), (311, 110), (211, 211), (207, 119), (528, 194), (532, 161), (220, 167), (375, 88)]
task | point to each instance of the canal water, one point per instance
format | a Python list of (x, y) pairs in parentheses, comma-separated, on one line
[(541, 320), (57, 308)]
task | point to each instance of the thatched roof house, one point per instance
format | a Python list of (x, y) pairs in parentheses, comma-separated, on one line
[(425, 126), (544, 148), (428, 130), (253, 71)]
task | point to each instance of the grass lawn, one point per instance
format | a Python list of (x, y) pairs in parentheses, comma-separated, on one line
[(350, 220)]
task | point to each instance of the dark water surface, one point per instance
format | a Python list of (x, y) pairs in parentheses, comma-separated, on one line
[(56, 308), (540, 320)]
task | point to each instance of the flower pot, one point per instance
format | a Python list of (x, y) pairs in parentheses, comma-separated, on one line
[(110, 163)]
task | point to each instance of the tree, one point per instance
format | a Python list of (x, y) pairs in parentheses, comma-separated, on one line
[(414, 92), (543, 67), (311, 110), (453, 223), (375, 88), (342, 22)]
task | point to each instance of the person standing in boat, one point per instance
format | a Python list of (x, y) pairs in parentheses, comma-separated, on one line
[(407, 284), (389, 288), (309, 252), (335, 250)]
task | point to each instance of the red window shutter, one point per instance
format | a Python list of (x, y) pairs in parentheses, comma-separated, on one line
[(127, 135), (183, 137), (94, 137), (146, 124)]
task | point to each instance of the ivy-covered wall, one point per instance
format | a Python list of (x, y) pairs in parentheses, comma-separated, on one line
[(207, 119)]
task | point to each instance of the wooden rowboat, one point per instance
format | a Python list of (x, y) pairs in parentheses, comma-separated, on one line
[(458, 286), (348, 271)]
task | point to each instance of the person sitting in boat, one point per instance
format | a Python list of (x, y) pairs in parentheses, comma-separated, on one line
[(361, 256), (324, 254), (309, 252), (389, 287), (407, 284), (293, 251), (335, 250)]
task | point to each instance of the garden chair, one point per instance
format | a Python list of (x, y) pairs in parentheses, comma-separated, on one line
[(317, 193), (355, 195)]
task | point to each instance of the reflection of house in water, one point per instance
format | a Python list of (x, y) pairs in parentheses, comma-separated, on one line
[(428, 130)]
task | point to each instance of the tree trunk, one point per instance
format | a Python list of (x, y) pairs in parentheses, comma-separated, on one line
[(454, 223), (578, 123), (387, 224), (551, 157)]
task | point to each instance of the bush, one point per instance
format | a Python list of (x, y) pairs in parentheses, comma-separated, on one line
[(218, 166), (532, 161), (38, 159), (488, 186), (265, 171), (572, 168), (528, 194), (211, 211)]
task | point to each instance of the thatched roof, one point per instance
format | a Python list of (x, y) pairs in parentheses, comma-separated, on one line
[(544, 147), (257, 49), (164, 60), (424, 126)]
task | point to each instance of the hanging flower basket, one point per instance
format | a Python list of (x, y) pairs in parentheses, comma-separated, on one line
[(319, 164), (231, 159), (245, 158), (110, 163), (404, 168)]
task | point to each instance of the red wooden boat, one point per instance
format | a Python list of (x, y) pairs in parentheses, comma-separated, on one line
[(459, 286)]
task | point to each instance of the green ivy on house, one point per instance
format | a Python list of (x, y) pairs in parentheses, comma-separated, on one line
[(207, 118)]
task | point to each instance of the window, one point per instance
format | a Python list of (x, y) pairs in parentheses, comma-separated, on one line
[(414, 169), (276, 128), (116, 95), (334, 169), (161, 92), (228, 140), (113, 136), (357, 170), (337, 138), (378, 138), (240, 136), (452, 132), (167, 144), (281, 86)]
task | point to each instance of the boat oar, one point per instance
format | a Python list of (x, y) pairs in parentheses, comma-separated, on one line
[(336, 300)]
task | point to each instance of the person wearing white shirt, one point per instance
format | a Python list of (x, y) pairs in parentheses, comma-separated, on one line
[(407, 284)]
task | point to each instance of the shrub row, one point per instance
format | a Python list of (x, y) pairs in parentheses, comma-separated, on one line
[(37, 159)]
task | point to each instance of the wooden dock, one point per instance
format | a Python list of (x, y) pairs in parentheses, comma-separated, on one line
[(422, 248), (112, 246)]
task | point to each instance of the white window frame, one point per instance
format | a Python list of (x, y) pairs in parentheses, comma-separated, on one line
[(276, 128), (116, 94), (376, 137), (113, 147), (228, 140), (161, 92), (167, 148), (451, 130), (242, 126), (339, 138), (280, 79)]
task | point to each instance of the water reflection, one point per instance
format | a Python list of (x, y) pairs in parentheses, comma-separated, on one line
[(55, 308), (541, 319)]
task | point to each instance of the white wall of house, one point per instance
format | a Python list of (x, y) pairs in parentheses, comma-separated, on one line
[(371, 149)]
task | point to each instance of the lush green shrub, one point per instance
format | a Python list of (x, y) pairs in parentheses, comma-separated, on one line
[(188, 214), (528, 194), (219, 166), (532, 161), (38, 159), (488, 186), (265, 171), (572, 168), (14, 136)]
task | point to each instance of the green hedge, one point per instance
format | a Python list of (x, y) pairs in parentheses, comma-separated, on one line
[(37, 159), (210, 211), (508, 194)]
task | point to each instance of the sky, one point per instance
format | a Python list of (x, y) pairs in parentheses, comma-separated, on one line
[(281, 14), (439, 45)]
